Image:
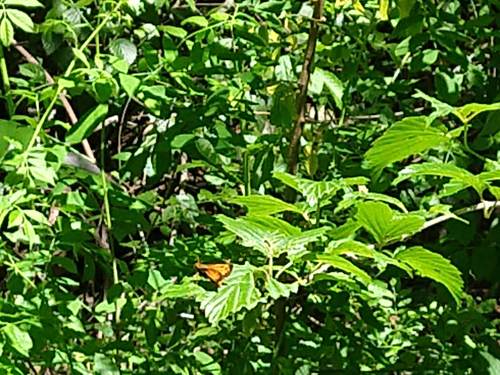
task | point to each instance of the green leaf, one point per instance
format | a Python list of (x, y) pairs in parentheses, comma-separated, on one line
[(322, 78), (346, 266), (174, 31), (207, 364), (283, 110), (434, 266), (461, 177), (386, 225), (467, 112), (408, 137), (129, 83), (195, 20), (87, 124), (21, 20), (6, 32), (264, 204), (266, 234), (124, 49), (207, 150), (493, 363), (237, 292), (277, 289), (317, 191), (383, 10), (81, 56), (20, 340), (24, 3), (104, 365), (354, 197), (441, 109)]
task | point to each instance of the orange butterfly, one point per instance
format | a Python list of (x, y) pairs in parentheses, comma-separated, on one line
[(216, 272)]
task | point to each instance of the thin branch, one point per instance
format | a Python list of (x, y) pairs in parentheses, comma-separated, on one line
[(65, 102), (485, 205), (305, 75)]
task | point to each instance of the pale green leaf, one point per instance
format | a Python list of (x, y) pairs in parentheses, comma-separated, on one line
[(383, 10), (237, 292), (467, 112), (129, 83), (434, 266), (20, 340), (21, 20), (174, 31), (410, 136), (6, 32), (264, 204), (195, 20), (24, 3), (124, 49)]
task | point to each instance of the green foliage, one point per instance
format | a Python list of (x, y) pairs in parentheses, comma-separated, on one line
[(140, 137)]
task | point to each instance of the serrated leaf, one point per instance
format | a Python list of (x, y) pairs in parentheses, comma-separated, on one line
[(346, 266), (386, 225), (407, 137), (317, 191), (277, 289), (462, 176), (434, 266), (467, 112), (264, 204), (6, 32), (20, 340), (20, 19), (237, 292), (87, 124)]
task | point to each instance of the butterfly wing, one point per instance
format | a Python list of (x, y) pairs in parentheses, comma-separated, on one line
[(216, 272)]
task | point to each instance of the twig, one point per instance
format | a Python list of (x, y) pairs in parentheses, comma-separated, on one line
[(485, 205), (305, 74), (65, 102)]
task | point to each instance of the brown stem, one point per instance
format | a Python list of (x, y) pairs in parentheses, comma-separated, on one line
[(293, 152), (65, 102), (305, 75)]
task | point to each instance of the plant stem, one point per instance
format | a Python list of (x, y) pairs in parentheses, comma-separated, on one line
[(305, 75), (68, 71), (6, 83)]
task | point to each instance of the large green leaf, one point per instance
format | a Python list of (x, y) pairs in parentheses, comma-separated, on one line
[(270, 235), (444, 170), (237, 292), (386, 225), (317, 191), (407, 137), (264, 204), (434, 266)]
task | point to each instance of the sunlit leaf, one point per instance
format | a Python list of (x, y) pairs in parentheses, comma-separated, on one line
[(434, 266), (237, 292)]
